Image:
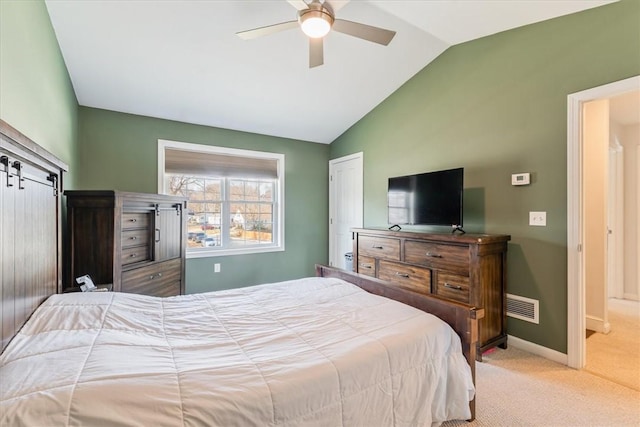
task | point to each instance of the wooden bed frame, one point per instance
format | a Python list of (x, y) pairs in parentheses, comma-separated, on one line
[(461, 317)]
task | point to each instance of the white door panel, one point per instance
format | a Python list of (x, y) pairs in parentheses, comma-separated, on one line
[(345, 205)]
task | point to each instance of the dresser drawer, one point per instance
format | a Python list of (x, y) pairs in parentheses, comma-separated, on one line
[(409, 277), (450, 257), (379, 247), (453, 286), (135, 220), (135, 254), (135, 238), (367, 265), (161, 279)]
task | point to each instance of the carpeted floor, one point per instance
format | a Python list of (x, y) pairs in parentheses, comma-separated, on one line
[(518, 389), (616, 355)]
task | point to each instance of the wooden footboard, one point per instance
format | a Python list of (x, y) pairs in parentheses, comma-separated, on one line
[(462, 318)]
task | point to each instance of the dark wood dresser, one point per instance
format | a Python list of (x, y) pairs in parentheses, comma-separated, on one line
[(135, 241), (470, 268)]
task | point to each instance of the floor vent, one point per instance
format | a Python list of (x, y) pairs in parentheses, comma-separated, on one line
[(522, 308)]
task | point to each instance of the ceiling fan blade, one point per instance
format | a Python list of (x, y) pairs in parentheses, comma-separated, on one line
[(298, 4), (316, 56), (265, 31), (363, 31)]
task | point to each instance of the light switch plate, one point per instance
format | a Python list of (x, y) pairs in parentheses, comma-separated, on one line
[(538, 219)]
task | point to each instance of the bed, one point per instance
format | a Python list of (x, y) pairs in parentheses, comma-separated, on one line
[(336, 349), (315, 351)]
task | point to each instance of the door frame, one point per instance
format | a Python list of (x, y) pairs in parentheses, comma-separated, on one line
[(576, 345), (359, 157)]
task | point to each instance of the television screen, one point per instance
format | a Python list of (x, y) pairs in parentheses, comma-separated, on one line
[(431, 198)]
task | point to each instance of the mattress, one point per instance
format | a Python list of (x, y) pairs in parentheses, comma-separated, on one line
[(315, 351)]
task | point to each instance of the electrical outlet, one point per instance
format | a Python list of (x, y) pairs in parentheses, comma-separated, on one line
[(538, 219), (216, 268)]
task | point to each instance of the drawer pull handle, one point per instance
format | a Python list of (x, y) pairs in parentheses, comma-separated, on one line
[(133, 220), (133, 238), (429, 254), (366, 266), (456, 287), (406, 276), (153, 276), (133, 255), (377, 247)]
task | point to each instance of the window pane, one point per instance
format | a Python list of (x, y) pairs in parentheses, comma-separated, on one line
[(194, 232), (236, 189), (266, 191), (195, 189), (251, 191), (213, 189)]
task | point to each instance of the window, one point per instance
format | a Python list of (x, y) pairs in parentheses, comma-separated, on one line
[(235, 197)]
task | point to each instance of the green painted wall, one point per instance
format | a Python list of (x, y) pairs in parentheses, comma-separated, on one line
[(498, 106), (36, 95), (119, 151)]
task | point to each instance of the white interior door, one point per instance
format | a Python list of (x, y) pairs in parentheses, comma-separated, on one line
[(345, 205)]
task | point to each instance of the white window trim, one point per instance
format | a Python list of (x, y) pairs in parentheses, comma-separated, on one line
[(278, 245)]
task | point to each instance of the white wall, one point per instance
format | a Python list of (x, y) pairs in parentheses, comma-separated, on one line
[(629, 138)]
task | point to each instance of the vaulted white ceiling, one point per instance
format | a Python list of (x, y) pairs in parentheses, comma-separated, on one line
[(181, 60)]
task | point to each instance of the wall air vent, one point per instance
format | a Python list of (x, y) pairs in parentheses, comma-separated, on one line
[(522, 308)]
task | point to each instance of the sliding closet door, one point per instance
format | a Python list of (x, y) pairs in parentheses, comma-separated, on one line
[(30, 181), (28, 241)]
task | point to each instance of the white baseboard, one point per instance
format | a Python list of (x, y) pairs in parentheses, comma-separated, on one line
[(538, 350), (598, 325), (633, 297)]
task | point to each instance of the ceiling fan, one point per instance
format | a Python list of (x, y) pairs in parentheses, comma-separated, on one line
[(316, 19)]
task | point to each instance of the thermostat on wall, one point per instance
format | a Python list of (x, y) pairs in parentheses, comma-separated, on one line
[(520, 178)]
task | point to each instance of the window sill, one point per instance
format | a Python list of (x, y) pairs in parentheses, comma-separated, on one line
[(210, 253)]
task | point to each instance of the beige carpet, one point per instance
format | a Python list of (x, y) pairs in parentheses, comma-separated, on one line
[(519, 389), (616, 355)]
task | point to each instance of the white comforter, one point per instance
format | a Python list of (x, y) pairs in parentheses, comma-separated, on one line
[(316, 351)]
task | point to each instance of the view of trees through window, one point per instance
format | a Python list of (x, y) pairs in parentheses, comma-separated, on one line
[(226, 212)]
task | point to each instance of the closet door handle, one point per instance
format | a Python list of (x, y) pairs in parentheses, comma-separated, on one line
[(157, 235)]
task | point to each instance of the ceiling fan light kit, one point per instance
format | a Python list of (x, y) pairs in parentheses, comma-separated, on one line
[(316, 19), (315, 23)]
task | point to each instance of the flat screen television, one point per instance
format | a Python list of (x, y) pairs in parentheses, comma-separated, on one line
[(431, 198)]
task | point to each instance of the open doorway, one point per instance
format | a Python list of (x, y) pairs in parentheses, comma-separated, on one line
[(581, 207)]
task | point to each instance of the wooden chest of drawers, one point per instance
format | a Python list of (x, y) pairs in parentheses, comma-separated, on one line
[(135, 241), (469, 268)]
